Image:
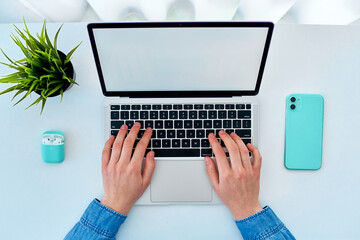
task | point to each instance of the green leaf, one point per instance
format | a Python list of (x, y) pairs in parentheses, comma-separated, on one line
[(62, 94), (68, 56), (10, 89), (56, 36), (17, 93), (43, 105), (35, 102), (55, 89)]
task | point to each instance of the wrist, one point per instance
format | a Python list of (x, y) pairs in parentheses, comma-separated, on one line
[(117, 206), (240, 212)]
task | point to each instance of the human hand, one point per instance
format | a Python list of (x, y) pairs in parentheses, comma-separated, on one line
[(122, 178), (237, 184)]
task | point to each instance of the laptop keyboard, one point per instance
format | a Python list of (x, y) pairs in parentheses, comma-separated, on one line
[(181, 130)]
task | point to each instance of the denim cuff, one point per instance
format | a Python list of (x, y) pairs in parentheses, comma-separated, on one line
[(261, 225), (101, 219)]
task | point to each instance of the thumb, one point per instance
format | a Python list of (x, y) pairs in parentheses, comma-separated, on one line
[(149, 168), (212, 172)]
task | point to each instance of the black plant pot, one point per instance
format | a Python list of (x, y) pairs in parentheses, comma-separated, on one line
[(69, 70)]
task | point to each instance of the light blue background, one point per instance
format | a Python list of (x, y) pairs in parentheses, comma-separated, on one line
[(44, 201)]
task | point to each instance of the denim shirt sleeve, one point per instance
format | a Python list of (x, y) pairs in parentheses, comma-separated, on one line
[(97, 222), (263, 225)]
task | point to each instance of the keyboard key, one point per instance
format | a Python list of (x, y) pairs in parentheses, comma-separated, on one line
[(141, 133), (125, 115), (195, 143), (135, 107), (188, 106), (243, 133), (198, 106), (144, 114), (198, 124), (203, 114), (166, 143), (173, 115), (185, 143), (229, 106), (219, 106), (177, 152), (246, 123), (190, 133), (248, 106), (200, 133), (169, 124), (205, 143), (149, 124), (129, 124), (153, 134), (180, 133), (178, 124), (154, 115), (159, 124), (236, 123), (231, 114), (217, 124), (228, 131), (161, 134), (244, 114), (116, 124), (193, 114), (240, 106), (246, 140), (208, 131), (206, 152), (167, 107), (156, 143), (175, 143), (115, 107), (212, 114), (164, 114), (207, 124), (183, 114), (170, 133), (227, 123), (222, 114), (114, 115), (146, 107), (177, 106), (114, 132), (209, 106), (156, 107), (188, 124), (125, 107), (141, 124)]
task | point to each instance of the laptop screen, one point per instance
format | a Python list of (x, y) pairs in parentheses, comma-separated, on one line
[(180, 59)]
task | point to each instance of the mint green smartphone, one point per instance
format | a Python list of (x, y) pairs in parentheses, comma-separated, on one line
[(304, 131)]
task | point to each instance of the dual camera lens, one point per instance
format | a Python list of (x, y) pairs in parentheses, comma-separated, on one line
[(292, 106)]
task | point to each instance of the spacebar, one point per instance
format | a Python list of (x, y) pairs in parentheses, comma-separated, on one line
[(177, 152)]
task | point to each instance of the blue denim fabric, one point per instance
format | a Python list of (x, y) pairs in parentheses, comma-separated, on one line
[(263, 225), (98, 222)]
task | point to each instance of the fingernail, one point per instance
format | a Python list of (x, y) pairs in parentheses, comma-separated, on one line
[(137, 124), (148, 129), (211, 135), (151, 154), (123, 127), (221, 132), (207, 161)]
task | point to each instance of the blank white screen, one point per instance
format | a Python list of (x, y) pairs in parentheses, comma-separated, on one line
[(180, 59)]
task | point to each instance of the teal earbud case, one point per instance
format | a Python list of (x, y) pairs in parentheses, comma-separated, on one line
[(53, 147), (304, 131)]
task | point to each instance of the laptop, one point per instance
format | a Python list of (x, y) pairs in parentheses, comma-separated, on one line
[(184, 80)]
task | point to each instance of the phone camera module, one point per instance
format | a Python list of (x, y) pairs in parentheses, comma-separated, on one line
[(292, 99), (292, 106)]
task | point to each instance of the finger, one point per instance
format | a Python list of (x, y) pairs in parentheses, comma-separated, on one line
[(148, 168), (117, 146), (140, 149), (219, 153), (106, 153), (129, 143), (244, 152), (233, 150), (212, 173), (256, 156)]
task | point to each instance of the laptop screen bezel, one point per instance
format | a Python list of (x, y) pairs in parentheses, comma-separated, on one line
[(195, 93)]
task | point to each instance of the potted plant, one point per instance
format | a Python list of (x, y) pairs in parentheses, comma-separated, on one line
[(44, 69)]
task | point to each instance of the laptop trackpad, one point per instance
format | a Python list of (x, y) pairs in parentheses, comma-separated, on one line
[(180, 181)]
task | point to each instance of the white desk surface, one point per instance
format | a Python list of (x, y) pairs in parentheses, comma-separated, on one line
[(44, 201)]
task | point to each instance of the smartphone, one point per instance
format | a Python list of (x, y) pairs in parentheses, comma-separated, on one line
[(304, 131)]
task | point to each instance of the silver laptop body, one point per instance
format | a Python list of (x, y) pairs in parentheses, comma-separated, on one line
[(185, 80)]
